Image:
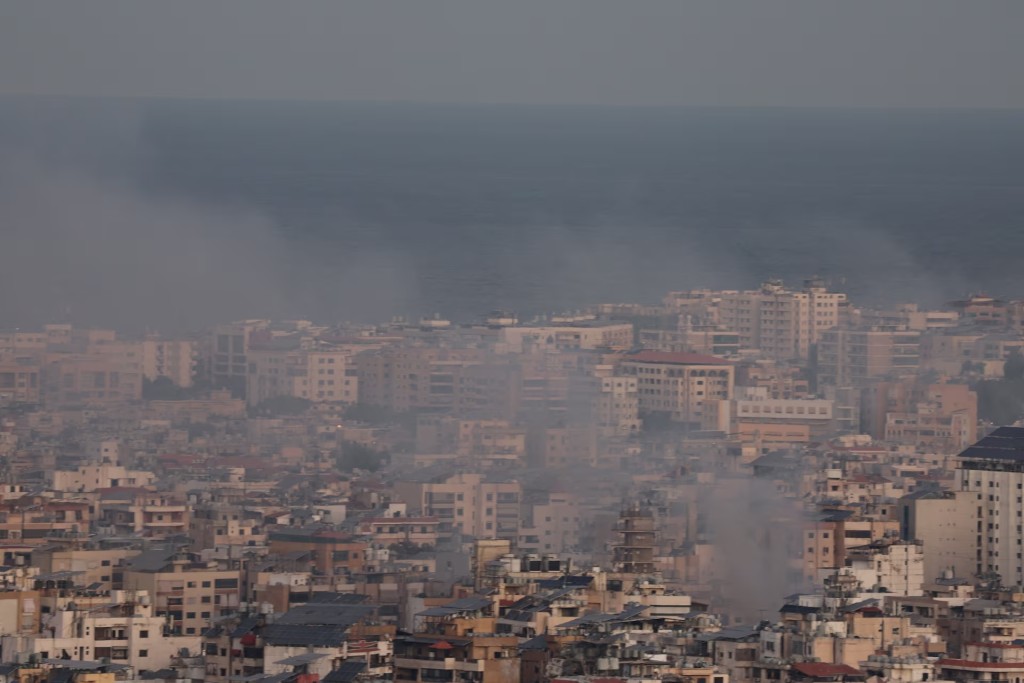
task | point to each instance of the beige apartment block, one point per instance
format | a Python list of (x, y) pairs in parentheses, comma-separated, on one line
[(854, 357), (90, 566), (174, 359), (781, 323), (680, 386), (189, 595), (992, 470), (754, 416), (946, 525), (585, 334), (19, 378), (937, 417), (465, 502), (125, 630), (322, 375)]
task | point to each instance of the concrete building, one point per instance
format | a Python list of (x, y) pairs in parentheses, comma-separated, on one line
[(754, 416), (124, 630), (19, 379), (992, 471), (615, 401), (854, 357), (228, 359), (939, 417), (464, 502), (85, 379), (681, 387), (784, 324), (890, 567), (186, 594), (174, 359), (572, 335), (553, 527), (945, 523), (320, 374)]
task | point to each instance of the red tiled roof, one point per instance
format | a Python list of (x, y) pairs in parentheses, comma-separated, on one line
[(824, 670), (675, 358)]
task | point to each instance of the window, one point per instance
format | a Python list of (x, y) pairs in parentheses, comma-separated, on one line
[(143, 633), (143, 653)]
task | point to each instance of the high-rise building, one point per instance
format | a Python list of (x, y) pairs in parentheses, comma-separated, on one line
[(229, 362), (992, 473), (684, 387), (853, 357), (782, 323)]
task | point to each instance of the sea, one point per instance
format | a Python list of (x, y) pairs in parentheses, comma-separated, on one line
[(359, 211)]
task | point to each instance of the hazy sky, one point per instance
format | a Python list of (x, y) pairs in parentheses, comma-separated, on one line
[(747, 52)]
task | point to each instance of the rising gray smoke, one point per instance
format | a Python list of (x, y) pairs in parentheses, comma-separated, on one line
[(757, 534)]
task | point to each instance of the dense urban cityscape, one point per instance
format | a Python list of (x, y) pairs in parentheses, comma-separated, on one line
[(764, 486)]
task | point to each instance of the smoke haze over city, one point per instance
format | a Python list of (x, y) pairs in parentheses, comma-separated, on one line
[(552, 341)]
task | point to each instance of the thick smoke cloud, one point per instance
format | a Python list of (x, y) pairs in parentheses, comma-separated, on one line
[(85, 241), (757, 534)]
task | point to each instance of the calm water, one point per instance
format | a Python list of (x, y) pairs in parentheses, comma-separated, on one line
[(408, 209)]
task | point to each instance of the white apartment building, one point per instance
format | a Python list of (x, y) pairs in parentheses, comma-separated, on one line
[(123, 629)]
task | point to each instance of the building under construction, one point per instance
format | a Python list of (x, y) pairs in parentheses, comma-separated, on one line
[(634, 554)]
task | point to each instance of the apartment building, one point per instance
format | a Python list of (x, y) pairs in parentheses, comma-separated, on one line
[(174, 359), (124, 629), (753, 415), (77, 379), (189, 595), (131, 511), (214, 525), (951, 351), (320, 374), (782, 323), (941, 417), (34, 519), (229, 359), (89, 565), (680, 386), (615, 401), (331, 553), (553, 525), (101, 475), (992, 471), (945, 522), (574, 335), (854, 357), (467, 503), (19, 379)]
